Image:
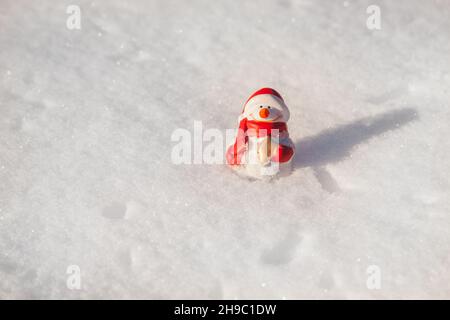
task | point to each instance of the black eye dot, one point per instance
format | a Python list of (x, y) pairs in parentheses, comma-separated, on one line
[(268, 107), (260, 106)]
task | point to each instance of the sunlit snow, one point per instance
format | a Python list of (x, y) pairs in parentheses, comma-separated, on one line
[(87, 180)]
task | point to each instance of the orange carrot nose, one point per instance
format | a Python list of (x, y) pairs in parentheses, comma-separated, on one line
[(264, 113)]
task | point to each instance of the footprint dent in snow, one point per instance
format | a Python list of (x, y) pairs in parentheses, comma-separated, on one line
[(326, 180), (282, 252), (115, 210)]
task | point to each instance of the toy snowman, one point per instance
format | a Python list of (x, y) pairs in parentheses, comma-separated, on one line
[(262, 146)]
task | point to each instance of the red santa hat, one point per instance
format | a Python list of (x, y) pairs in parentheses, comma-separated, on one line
[(264, 97), (270, 91)]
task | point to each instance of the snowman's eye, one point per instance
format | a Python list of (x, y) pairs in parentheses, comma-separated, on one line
[(268, 107), (260, 107)]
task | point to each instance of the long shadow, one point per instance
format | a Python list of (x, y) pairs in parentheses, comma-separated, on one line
[(335, 144)]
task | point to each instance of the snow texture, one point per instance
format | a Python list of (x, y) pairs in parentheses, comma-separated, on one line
[(87, 178)]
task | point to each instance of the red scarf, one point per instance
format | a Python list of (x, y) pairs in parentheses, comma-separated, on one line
[(263, 129), (252, 128)]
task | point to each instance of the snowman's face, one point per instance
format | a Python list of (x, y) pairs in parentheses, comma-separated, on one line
[(267, 108)]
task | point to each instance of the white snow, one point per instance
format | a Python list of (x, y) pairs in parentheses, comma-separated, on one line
[(87, 179)]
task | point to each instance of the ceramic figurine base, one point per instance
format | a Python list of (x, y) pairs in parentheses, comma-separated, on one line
[(255, 171)]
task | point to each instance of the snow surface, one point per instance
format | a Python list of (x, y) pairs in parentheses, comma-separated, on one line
[(87, 178)]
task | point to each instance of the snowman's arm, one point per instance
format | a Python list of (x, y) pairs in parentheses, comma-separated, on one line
[(282, 153)]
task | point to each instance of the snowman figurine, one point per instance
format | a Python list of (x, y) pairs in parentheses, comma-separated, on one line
[(262, 147)]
